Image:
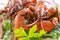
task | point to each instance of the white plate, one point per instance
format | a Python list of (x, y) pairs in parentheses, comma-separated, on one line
[(3, 3)]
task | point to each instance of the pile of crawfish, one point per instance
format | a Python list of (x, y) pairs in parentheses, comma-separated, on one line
[(26, 13)]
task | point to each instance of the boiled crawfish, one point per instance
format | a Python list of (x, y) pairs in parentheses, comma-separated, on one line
[(42, 12)]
